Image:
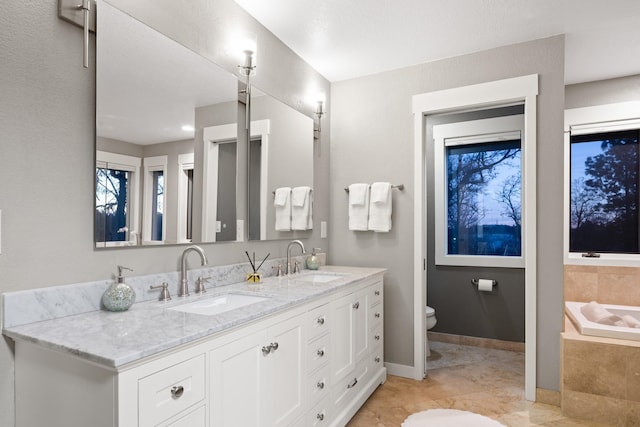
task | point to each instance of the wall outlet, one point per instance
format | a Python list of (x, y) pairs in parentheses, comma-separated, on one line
[(323, 229), (218, 226)]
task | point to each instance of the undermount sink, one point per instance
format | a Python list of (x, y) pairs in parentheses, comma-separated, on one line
[(219, 304), (320, 277)]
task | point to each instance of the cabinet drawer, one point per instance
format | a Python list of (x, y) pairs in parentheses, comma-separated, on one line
[(318, 321), (347, 387), (319, 385), (376, 335), (196, 418), (318, 352), (376, 314), (320, 414), (167, 392), (376, 296), (377, 358)]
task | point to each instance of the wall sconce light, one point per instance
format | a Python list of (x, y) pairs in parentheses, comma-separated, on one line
[(247, 70), (319, 113)]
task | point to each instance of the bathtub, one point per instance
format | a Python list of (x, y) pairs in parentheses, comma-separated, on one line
[(586, 327)]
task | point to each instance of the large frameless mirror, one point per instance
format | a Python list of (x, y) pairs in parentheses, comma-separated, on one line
[(166, 139)]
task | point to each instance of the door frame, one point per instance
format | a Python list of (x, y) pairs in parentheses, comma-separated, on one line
[(518, 89)]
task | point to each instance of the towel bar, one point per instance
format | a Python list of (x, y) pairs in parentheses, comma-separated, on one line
[(399, 187)]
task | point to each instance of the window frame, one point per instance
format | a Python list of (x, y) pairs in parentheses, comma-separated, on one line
[(151, 165), (588, 120), (107, 160), (495, 129)]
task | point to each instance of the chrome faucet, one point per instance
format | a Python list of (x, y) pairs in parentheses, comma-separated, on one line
[(183, 291), (297, 242)]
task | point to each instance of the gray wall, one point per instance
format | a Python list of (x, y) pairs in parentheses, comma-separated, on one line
[(372, 140), (601, 92), (47, 148)]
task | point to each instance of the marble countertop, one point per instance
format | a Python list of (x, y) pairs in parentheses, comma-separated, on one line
[(115, 339)]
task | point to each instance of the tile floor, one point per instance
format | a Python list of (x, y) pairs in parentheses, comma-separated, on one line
[(485, 381)]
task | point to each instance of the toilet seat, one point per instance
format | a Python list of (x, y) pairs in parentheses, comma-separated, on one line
[(430, 311)]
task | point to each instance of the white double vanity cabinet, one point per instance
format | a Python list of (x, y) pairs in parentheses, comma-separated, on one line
[(309, 355)]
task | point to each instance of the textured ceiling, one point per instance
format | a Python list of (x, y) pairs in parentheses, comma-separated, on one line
[(344, 39)]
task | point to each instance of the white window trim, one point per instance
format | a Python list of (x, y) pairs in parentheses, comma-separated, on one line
[(132, 164), (463, 133), (478, 96), (185, 163), (599, 118), (153, 164)]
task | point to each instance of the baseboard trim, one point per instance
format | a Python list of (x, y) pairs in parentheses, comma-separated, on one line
[(397, 370)]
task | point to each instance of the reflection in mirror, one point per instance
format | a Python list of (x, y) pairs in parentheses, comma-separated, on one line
[(280, 155), (155, 100)]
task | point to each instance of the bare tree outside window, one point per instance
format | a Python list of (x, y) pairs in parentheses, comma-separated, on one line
[(604, 192), (111, 205), (484, 199)]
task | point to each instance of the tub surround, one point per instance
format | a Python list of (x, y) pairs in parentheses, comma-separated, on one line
[(600, 375), (600, 378), (115, 339)]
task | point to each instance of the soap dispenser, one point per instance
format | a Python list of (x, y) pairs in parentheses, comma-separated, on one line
[(119, 296), (313, 263)]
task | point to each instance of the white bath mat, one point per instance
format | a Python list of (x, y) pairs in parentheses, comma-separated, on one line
[(448, 418)]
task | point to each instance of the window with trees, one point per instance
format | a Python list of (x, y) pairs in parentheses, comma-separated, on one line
[(478, 190), (116, 207), (604, 192)]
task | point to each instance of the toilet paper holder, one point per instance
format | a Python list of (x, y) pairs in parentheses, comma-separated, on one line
[(475, 282)]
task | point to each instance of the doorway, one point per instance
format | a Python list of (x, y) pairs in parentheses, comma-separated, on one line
[(482, 96)]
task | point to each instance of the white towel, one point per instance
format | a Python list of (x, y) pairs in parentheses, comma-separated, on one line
[(380, 207), (598, 314), (380, 192), (359, 207), (282, 204), (630, 321), (302, 208)]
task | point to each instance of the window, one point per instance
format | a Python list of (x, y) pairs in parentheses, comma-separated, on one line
[(602, 164), (116, 199), (604, 192), (185, 197), (478, 186), (153, 223)]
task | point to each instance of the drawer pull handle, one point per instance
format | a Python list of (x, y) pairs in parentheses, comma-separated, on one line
[(320, 320), (377, 337), (320, 352), (356, 305), (377, 315), (353, 384), (274, 346), (320, 416), (177, 391), (266, 349), (320, 385), (377, 292), (377, 359)]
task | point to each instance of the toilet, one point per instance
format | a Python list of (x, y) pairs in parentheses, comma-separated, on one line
[(431, 322)]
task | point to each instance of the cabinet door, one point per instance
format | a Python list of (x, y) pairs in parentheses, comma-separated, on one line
[(286, 370), (342, 329), (361, 324), (239, 384)]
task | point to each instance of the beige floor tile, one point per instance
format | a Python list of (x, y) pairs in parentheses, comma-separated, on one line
[(485, 381)]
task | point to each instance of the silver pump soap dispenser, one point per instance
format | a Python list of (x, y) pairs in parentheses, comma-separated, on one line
[(313, 263), (119, 296)]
